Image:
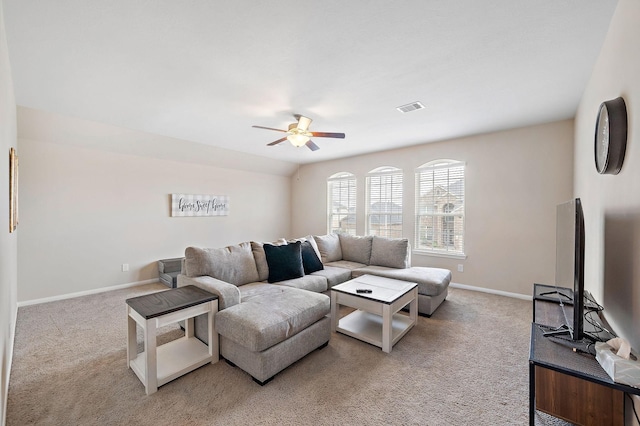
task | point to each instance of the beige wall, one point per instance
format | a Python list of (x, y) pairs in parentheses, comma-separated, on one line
[(85, 211), (8, 242), (514, 180), (612, 202)]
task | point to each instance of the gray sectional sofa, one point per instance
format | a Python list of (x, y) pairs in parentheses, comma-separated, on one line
[(273, 297)]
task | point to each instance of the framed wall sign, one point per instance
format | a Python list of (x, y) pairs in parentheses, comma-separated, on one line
[(13, 190), (189, 205)]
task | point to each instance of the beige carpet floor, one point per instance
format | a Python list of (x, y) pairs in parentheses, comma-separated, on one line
[(466, 365)]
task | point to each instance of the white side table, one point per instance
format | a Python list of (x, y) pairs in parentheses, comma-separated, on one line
[(158, 365)]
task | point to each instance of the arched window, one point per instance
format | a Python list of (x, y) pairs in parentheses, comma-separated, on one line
[(341, 203), (384, 202), (440, 195)]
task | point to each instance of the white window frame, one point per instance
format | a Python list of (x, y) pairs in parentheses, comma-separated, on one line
[(346, 186), (440, 184), (385, 187)]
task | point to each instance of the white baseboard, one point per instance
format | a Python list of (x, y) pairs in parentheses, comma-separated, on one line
[(137, 283), (85, 293), (491, 291)]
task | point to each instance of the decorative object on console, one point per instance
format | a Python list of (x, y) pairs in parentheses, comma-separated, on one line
[(298, 133), (617, 359), (611, 136)]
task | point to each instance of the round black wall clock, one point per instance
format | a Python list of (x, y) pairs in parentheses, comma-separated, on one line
[(611, 136)]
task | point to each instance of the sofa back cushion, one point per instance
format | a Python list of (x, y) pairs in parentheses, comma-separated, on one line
[(329, 247), (261, 259), (285, 261), (391, 252), (356, 248), (233, 264)]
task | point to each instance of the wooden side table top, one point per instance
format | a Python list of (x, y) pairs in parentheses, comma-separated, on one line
[(167, 301)]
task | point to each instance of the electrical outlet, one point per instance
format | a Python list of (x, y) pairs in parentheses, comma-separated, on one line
[(460, 267), (125, 267)]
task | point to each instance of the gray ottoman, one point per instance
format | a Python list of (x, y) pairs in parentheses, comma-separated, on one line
[(272, 327), (433, 283)]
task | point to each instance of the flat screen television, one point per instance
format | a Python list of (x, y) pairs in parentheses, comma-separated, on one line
[(570, 265)]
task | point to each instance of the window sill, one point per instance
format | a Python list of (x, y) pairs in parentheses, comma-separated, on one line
[(437, 254)]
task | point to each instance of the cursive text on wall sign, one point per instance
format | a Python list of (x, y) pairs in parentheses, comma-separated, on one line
[(199, 205)]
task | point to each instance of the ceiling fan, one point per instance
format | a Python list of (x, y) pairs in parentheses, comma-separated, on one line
[(298, 133)]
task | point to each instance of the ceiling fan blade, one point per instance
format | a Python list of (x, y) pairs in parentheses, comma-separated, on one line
[(327, 135), (303, 123), (312, 146), (270, 128), (277, 142)]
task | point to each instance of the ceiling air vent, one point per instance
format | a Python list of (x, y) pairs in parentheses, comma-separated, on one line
[(413, 106)]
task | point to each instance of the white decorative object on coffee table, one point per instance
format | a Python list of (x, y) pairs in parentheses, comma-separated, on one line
[(376, 319)]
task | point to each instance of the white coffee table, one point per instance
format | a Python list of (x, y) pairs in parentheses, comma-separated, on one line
[(377, 319)]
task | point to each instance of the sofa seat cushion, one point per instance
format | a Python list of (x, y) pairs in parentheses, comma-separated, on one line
[(431, 281), (334, 275), (270, 314), (311, 282), (345, 264)]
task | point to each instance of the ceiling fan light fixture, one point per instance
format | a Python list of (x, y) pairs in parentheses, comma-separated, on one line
[(298, 139), (298, 134)]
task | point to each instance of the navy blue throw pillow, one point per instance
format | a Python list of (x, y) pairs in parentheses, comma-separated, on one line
[(310, 260), (285, 262)]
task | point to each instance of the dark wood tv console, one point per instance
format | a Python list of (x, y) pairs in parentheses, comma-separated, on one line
[(566, 382)]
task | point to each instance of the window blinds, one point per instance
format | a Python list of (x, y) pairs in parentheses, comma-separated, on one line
[(384, 202), (341, 203), (440, 207)]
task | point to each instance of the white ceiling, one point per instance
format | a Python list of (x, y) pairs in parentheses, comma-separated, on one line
[(206, 71)]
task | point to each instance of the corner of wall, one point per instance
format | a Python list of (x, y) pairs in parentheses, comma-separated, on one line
[(8, 241)]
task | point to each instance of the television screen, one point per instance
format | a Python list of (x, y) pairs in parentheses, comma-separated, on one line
[(570, 260)]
